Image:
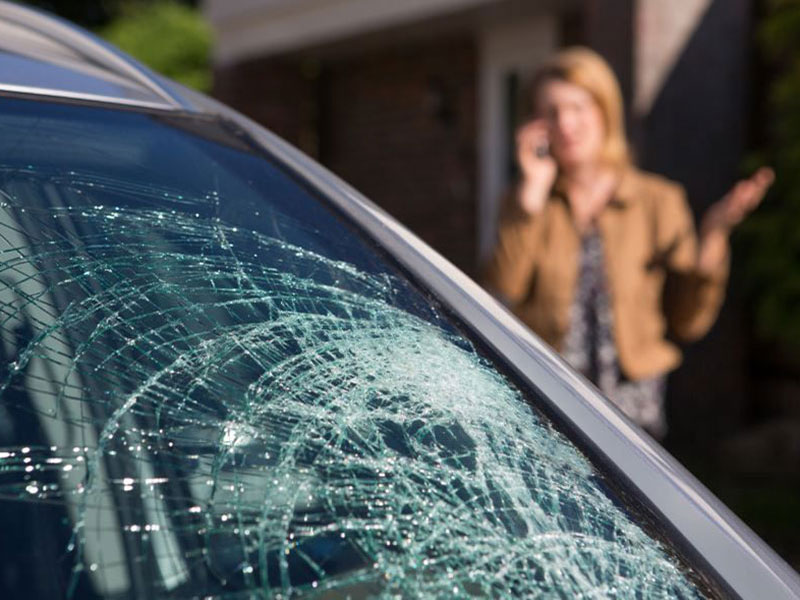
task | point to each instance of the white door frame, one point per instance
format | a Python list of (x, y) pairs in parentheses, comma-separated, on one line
[(504, 49)]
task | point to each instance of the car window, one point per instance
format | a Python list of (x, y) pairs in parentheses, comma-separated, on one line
[(212, 384)]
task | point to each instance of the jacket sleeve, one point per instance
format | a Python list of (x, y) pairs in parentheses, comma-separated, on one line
[(691, 299), (510, 270)]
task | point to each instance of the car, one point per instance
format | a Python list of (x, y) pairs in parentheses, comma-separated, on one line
[(226, 374)]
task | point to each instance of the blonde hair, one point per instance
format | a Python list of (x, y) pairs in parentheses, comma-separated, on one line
[(585, 68)]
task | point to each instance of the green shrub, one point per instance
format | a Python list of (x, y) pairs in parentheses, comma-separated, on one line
[(170, 38), (770, 239)]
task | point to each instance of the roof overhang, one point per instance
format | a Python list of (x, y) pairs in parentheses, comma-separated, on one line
[(249, 28)]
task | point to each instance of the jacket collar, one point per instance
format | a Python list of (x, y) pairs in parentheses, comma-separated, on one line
[(624, 195), (627, 190)]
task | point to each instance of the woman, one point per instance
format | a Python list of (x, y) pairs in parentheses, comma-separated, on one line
[(600, 259)]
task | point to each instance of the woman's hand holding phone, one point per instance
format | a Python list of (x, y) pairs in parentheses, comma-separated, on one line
[(538, 168)]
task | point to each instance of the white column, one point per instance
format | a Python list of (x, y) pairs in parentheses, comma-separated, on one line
[(662, 30), (503, 49)]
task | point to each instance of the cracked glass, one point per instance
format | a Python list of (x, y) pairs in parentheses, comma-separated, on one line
[(211, 385)]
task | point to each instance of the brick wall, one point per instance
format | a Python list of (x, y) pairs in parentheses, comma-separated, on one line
[(279, 93), (398, 124)]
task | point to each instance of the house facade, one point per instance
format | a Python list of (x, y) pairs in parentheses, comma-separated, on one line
[(415, 103)]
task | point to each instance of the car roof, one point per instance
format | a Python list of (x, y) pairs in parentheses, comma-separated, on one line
[(45, 55)]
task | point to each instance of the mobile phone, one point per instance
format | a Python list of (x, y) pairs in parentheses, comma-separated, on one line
[(542, 149)]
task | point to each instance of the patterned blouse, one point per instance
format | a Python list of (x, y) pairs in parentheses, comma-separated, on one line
[(589, 344)]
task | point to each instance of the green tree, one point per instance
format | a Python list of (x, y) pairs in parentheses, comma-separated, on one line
[(170, 38), (770, 240)]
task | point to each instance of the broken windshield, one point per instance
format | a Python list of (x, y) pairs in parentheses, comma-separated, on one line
[(213, 386)]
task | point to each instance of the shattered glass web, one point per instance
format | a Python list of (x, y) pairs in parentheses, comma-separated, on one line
[(229, 412)]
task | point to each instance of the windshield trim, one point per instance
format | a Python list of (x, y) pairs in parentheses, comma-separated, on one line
[(54, 94)]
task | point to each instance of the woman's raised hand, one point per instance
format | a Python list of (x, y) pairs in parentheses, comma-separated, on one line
[(740, 201), (538, 168), (726, 214)]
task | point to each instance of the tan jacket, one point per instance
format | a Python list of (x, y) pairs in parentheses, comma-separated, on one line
[(651, 251)]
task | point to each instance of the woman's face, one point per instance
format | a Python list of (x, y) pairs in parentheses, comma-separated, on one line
[(575, 123)]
